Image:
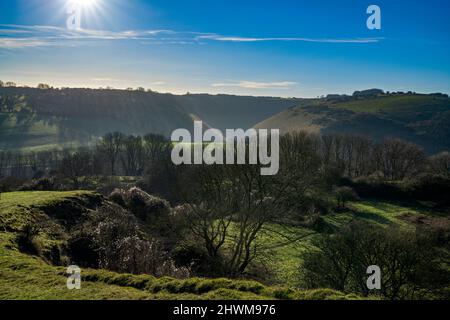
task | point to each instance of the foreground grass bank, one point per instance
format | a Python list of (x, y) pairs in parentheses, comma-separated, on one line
[(27, 276)]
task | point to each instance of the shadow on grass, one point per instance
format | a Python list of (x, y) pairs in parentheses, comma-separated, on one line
[(421, 207), (370, 216)]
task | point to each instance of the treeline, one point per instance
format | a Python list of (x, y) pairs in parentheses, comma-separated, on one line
[(117, 154), (393, 169)]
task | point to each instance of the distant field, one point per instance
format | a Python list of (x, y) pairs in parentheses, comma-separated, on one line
[(421, 119), (394, 104)]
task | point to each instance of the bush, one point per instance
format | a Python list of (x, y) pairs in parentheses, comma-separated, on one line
[(118, 197), (409, 261), (114, 239), (44, 184), (27, 240), (431, 187), (144, 206), (8, 184), (369, 187), (82, 251), (345, 194)]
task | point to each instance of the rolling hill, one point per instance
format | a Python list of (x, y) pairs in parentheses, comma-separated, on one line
[(33, 118), (419, 118)]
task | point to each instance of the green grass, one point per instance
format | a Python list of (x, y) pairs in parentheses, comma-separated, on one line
[(396, 104), (19, 208), (285, 260), (24, 276), (286, 246)]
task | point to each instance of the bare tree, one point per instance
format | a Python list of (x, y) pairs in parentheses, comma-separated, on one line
[(229, 206), (110, 145), (75, 165), (132, 155), (157, 147), (399, 159), (440, 164)]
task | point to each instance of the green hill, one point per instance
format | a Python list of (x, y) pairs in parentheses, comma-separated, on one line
[(423, 119), (33, 118)]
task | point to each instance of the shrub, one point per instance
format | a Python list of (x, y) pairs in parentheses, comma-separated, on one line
[(431, 188), (345, 194), (144, 206), (408, 261), (123, 246), (118, 197), (27, 240), (44, 184), (8, 184)]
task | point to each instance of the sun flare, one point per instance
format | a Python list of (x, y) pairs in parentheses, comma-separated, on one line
[(85, 3)]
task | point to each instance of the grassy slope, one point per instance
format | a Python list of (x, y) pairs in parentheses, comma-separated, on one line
[(396, 103), (285, 260), (23, 276), (411, 117)]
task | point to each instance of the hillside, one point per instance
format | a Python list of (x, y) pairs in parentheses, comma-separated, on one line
[(33, 118), (40, 275), (423, 119)]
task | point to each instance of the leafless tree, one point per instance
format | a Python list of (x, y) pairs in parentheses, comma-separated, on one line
[(132, 155), (110, 145), (229, 206), (399, 159), (440, 164), (76, 165)]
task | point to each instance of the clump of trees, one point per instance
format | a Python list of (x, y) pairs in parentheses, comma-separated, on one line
[(8, 84), (410, 262), (343, 195)]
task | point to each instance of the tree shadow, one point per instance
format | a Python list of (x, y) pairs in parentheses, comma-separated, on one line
[(371, 216)]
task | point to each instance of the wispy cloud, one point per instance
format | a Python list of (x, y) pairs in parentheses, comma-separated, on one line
[(105, 80), (20, 36), (158, 83), (13, 43), (257, 85), (216, 37)]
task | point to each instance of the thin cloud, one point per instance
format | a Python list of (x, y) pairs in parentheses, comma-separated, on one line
[(257, 85), (319, 40), (12, 43), (20, 36), (105, 79)]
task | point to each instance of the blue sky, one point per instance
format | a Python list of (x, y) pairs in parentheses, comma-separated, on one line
[(281, 48)]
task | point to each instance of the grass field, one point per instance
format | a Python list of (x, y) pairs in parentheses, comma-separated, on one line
[(290, 242), (24, 276), (415, 118), (396, 104)]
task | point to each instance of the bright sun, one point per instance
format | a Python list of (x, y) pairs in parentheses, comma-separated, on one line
[(85, 3)]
